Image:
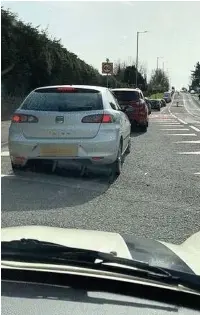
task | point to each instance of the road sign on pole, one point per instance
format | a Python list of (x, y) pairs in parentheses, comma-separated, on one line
[(107, 67)]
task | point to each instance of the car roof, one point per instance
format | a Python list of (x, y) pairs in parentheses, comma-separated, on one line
[(126, 89), (91, 87)]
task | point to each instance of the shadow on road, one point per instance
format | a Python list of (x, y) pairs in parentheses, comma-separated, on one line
[(137, 134), (136, 131), (28, 191)]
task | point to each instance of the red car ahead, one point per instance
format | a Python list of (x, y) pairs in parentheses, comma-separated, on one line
[(137, 110)]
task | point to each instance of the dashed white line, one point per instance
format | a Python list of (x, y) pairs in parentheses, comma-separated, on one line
[(188, 141), (195, 128), (182, 134), (170, 124), (169, 109), (5, 153), (197, 173), (174, 129), (187, 153)]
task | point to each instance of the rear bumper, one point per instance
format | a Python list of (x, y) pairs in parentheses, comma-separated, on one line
[(141, 123), (140, 120), (101, 150), (155, 107)]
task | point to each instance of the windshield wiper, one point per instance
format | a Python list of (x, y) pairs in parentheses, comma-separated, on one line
[(31, 250)]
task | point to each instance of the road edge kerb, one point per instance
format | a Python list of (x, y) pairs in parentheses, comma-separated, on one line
[(4, 144)]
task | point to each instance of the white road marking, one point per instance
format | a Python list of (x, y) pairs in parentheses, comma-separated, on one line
[(195, 128), (166, 120), (192, 141), (197, 173), (196, 109), (182, 121), (169, 129), (170, 124), (5, 153), (193, 153), (162, 110), (169, 109), (163, 118), (182, 134), (7, 175)]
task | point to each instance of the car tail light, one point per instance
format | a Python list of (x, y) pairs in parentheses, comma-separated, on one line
[(66, 89), (22, 118), (98, 118)]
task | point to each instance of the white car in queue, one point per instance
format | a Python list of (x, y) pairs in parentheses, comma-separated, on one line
[(70, 122)]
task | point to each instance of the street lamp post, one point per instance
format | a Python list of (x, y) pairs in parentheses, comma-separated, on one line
[(136, 73), (158, 60)]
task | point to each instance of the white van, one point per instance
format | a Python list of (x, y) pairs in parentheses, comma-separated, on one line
[(167, 97)]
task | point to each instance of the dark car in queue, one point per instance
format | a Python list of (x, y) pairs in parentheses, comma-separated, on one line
[(148, 105), (133, 102), (155, 104), (163, 102)]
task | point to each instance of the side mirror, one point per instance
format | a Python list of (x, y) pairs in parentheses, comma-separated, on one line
[(123, 108)]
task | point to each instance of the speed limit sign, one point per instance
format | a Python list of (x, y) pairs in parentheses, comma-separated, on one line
[(107, 67)]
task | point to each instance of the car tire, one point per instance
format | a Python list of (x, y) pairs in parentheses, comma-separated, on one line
[(159, 109), (128, 150), (117, 165), (16, 168), (144, 128)]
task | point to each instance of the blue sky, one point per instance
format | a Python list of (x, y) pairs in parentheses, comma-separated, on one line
[(97, 30)]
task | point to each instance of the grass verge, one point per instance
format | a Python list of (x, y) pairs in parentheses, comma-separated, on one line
[(156, 95)]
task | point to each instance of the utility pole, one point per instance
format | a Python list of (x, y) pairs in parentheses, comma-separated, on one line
[(137, 50), (107, 60), (158, 60), (136, 73)]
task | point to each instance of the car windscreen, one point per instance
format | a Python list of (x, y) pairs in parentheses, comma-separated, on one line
[(61, 99), (126, 95), (155, 102)]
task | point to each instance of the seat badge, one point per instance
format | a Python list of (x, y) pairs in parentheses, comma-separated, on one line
[(59, 119)]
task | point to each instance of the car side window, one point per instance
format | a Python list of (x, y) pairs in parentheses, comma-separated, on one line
[(112, 101), (141, 96)]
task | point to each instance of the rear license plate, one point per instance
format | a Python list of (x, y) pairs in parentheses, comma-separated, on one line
[(59, 150)]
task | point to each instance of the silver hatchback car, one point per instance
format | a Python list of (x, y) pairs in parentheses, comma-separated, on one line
[(70, 122)]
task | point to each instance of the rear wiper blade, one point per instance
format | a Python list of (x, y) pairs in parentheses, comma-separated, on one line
[(32, 250)]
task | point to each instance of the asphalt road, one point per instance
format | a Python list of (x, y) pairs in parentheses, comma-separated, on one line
[(156, 196)]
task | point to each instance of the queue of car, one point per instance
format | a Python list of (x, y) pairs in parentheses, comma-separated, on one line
[(88, 125)]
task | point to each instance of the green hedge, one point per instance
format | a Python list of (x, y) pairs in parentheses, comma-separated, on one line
[(40, 61), (31, 59)]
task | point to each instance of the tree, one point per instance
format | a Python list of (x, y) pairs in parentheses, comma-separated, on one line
[(195, 77), (159, 81), (126, 75)]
